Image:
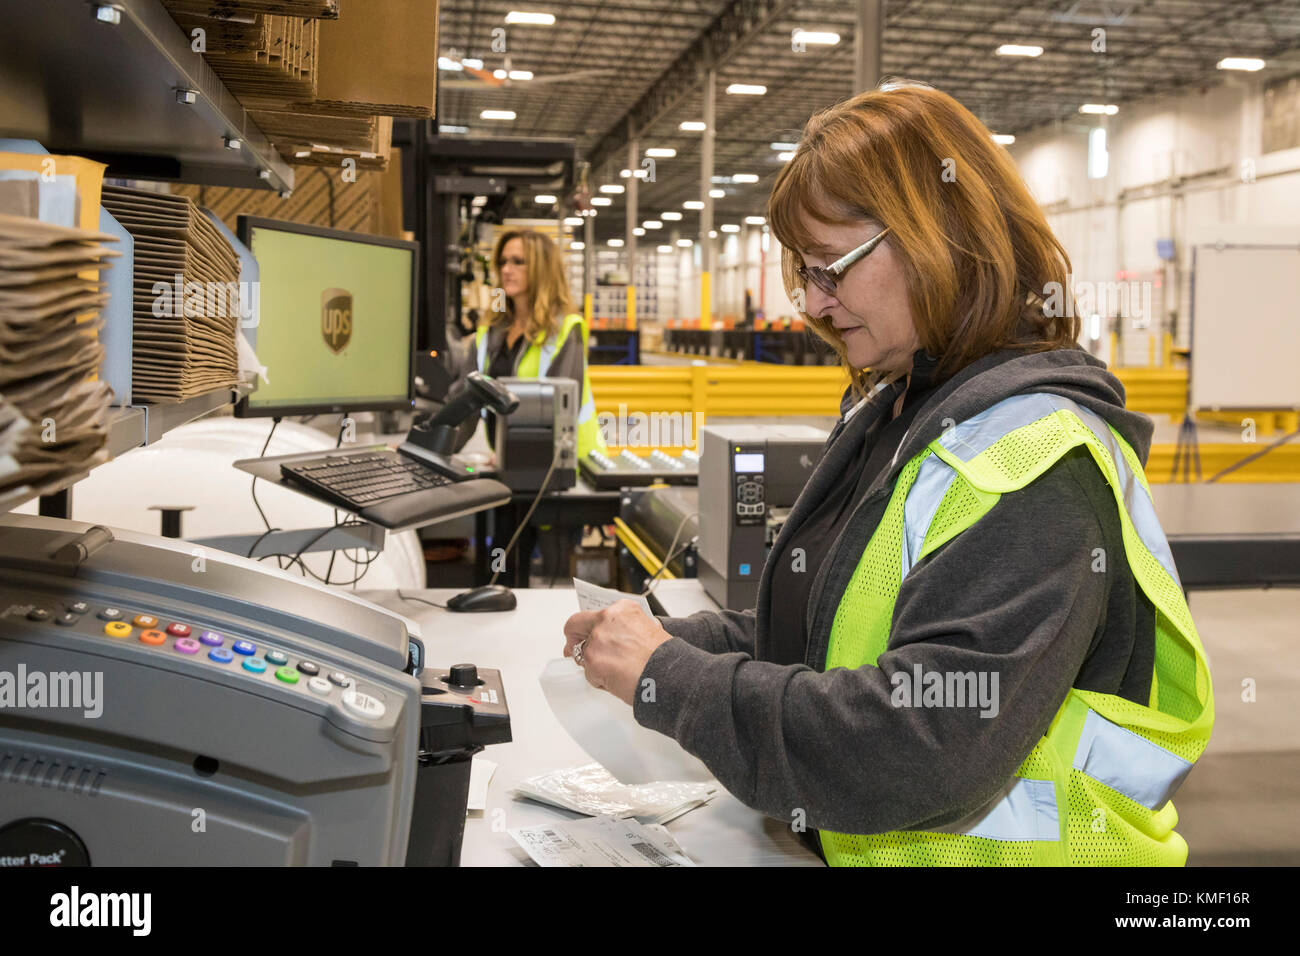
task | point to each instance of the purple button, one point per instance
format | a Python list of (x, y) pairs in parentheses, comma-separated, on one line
[(212, 638), (187, 645)]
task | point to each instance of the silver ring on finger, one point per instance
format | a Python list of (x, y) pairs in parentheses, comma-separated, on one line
[(577, 653)]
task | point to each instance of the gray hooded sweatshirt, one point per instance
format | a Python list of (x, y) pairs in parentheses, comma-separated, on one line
[(1020, 594)]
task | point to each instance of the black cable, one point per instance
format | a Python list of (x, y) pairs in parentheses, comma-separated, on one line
[(260, 539), (253, 488), (682, 550), (421, 600), (531, 508), (676, 534)]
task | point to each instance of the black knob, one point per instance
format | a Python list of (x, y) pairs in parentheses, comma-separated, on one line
[(463, 675)]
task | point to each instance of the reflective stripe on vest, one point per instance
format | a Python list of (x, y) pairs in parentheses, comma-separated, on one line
[(934, 500), (973, 436)]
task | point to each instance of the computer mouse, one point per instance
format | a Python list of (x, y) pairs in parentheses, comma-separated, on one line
[(490, 597)]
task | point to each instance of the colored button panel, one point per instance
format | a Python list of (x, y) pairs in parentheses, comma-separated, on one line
[(287, 674), (255, 665), (247, 648), (153, 638), (117, 629), (212, 639), (178, 630), (145, 620), (278, 658), (187, 645), (308, 668), (221, 655)]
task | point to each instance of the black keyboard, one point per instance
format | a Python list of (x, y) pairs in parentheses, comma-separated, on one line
[(360, 481)]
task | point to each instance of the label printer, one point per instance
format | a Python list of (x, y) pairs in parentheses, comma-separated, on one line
[(163, 704)]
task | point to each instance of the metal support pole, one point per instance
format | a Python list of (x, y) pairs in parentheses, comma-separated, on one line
[(866, 45), (708, 248), (629, 242), (588, 267)]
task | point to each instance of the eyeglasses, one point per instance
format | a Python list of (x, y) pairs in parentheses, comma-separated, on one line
[(827, 278)]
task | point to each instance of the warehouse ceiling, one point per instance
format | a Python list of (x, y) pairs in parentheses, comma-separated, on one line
[(601, 64)]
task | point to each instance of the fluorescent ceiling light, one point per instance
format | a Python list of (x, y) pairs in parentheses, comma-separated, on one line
[(574, 221), (453, 129), (521, 74), (601, 201), (444, 63), (785, 147), (671, 216), (692, 126), (718, 193), (628, 173), (478, 201), (616, 243), (685, 243), (661, 152), (499, 74), (744, 178), (638, 231), (663, 248), (527, 16), (497, 114), (785, 157), (545, 200), (470, 61), (730, 227), (652, 224), (693, 204), (1108, 109), (755, 220), (1248, 63), (746, 89), (1017, 49), (614, 188), (578, 244), (816, 38), (713, 233), (1003, 139)]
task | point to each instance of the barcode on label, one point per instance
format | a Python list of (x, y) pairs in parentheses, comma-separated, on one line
[(653, 855)]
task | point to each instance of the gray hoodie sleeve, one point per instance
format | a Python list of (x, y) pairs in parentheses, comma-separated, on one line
[(1013, 596), (717, 632)]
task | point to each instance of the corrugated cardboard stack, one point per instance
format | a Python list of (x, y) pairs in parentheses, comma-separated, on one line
[(186, 289), (323, 79), (53, 408)]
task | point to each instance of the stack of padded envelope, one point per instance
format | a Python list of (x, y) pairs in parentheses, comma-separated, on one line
[(53, 406)]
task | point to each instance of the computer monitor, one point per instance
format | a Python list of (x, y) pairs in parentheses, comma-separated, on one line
[(337, 314)]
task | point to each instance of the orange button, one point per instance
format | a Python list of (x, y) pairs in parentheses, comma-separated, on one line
[(153, 637), (117, 629), (144, 620)]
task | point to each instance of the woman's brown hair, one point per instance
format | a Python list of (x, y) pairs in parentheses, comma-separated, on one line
[(977, 253), (548, 287)]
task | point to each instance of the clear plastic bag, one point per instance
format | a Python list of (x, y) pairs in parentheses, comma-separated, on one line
[(592, 790)]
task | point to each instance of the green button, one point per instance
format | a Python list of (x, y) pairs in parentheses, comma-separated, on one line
[(288, 675)]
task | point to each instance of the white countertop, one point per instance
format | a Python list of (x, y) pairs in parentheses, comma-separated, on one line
[(724, 832)]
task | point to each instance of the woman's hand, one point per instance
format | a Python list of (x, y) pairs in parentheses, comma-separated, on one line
[(619, 642)]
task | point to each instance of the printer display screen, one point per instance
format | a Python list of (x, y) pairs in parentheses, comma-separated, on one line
[(749, 463)]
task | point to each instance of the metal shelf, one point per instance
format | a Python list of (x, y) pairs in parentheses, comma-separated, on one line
[(109, 91)]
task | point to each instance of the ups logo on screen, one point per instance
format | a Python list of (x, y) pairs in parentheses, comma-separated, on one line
[(336, 318)]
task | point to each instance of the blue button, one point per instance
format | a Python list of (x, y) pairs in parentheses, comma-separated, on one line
[(246, 648), (278, 658), (744, 569), (220, 655), (255, 664)]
